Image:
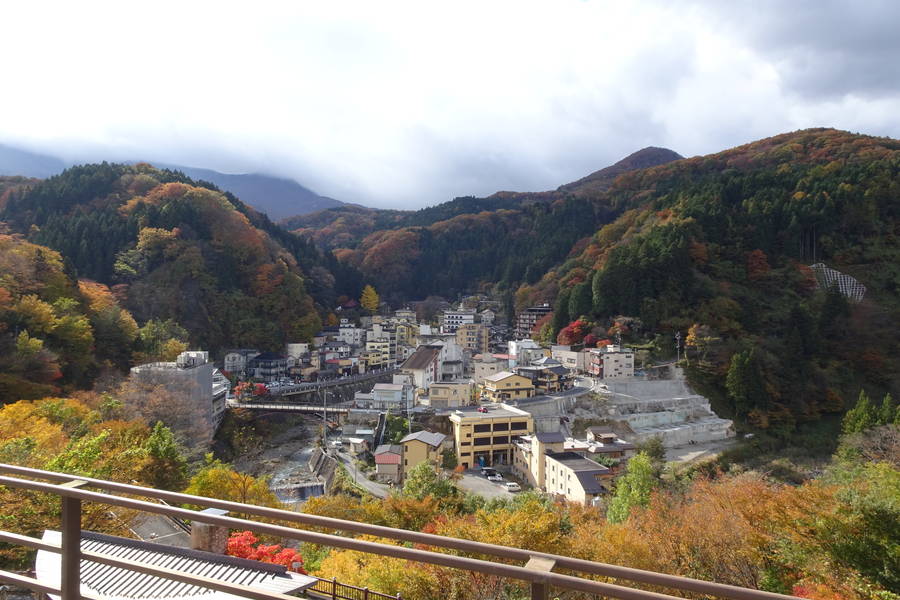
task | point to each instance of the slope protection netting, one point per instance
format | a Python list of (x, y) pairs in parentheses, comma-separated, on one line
[(847, 285)]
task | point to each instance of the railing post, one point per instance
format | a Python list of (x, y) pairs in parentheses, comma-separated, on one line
[(540, 589), (334, 588), (70, 555), (365, 593)]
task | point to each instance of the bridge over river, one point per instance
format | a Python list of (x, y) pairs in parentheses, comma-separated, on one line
[(295, 389)]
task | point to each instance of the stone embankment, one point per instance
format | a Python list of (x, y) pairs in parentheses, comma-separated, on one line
[(668, 409)]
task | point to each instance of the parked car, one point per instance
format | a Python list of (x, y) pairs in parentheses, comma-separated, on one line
[(495, 477), (512, 486), (487, 471)]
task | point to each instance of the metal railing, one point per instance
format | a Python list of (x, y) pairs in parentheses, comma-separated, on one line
[(332, 588), (539, 568)]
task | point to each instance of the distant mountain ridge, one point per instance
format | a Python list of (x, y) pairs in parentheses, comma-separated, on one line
[(346, 226), (602, 180), (508, 238), (276, 196)]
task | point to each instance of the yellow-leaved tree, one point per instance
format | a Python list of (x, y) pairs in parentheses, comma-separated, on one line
[(369, 299)]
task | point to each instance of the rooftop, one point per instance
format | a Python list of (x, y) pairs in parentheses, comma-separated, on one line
[(388, 387), (576, 462), (119, 582), (550, 437), (493, 411), (499, 376), (430, 438), (421, 358)]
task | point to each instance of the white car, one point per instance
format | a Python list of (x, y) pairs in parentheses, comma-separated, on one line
[(495, 477), (512, 486)]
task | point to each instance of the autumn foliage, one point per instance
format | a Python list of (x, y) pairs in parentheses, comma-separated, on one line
[(243, 544)]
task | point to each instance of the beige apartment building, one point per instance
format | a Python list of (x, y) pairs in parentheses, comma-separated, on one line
[(544, 461), (474, 337), (450, 394), (504, 386), (419, 447), (484, 435), (486, 366)]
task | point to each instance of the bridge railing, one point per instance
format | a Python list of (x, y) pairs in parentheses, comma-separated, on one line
[(538, 570)]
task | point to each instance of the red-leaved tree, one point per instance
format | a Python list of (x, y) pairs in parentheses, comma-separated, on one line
[(244, 544)]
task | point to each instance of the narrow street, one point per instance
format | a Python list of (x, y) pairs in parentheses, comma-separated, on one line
[(379, 490)]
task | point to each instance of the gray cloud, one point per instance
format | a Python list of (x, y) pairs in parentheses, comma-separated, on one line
[(410, 104)]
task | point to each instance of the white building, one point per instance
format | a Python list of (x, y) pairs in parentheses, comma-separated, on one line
[(386, 396), (201, 386), (612, 362), (351, 334), (574, 360), (451, 319), (236, 360), (526, 351), (424, 366)]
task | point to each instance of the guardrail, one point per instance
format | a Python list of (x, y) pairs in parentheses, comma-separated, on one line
[(538, 569), (332, 588)]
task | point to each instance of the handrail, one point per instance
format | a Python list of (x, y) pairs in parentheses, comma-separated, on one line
[(419, 555)]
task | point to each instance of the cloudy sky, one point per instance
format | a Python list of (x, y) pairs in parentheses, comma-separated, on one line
[(406, 104)]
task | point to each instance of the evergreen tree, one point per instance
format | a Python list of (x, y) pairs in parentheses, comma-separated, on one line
[(580, 302), (596, 293), (509, 307), (886, 414), (862, 416), (744, 383), (561, 315)]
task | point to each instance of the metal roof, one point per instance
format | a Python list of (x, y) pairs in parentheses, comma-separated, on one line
[(115, 582), (432, 439), (550, 437), (421, 358)]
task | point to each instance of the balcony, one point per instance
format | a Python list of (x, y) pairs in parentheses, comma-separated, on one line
[(542, 573)]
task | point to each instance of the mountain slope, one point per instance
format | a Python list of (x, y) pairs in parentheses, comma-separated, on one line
[(15, 161), (717, 247), (346, 226), (602, 180), (175, 250), (506, 239)]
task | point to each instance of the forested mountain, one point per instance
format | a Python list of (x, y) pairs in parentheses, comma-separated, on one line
[(718, 247), (174, 249), (506, 239), (603, 179)]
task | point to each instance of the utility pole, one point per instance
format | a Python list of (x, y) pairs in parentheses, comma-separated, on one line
[(677, 347), (324, 418)]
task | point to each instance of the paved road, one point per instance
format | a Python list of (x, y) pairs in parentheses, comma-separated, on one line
[(694, 452), (379, 490)]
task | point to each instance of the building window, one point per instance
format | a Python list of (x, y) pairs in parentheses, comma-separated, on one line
[(466, 444), (519, 425), (501, 426), (482, 441), (501, 439), (465, 454), (482, 428)]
